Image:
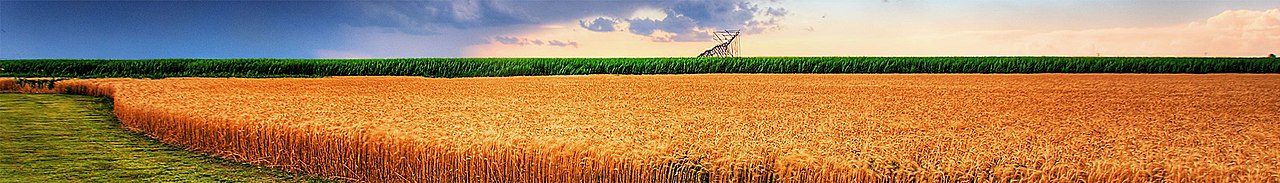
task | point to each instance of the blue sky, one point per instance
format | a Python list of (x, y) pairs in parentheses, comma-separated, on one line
[(519, 28), (169, 29)]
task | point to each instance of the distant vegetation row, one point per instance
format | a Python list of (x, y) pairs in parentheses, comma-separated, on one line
[(473, 67)]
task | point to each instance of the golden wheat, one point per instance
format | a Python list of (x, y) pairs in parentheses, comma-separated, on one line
[(724, 128)]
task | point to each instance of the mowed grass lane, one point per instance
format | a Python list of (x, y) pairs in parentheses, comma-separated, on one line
[(74, 138)]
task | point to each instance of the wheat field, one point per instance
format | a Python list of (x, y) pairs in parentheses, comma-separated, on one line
[(723, 127)]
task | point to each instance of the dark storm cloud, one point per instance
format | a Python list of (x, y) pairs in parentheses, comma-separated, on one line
[(429, 17), (679, 29), (778, 12), (563, 43), (685, 21), (600, 24), (691, 20), (507, 40)]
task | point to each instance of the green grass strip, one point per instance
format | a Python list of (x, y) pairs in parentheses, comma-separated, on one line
[(71, 138)]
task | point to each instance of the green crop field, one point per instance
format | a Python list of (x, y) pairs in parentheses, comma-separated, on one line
[(473, 67)]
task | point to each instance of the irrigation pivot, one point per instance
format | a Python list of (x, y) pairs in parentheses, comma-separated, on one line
[(726, 47)]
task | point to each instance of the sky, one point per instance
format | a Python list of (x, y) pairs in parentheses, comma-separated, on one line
[(617, 28)]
